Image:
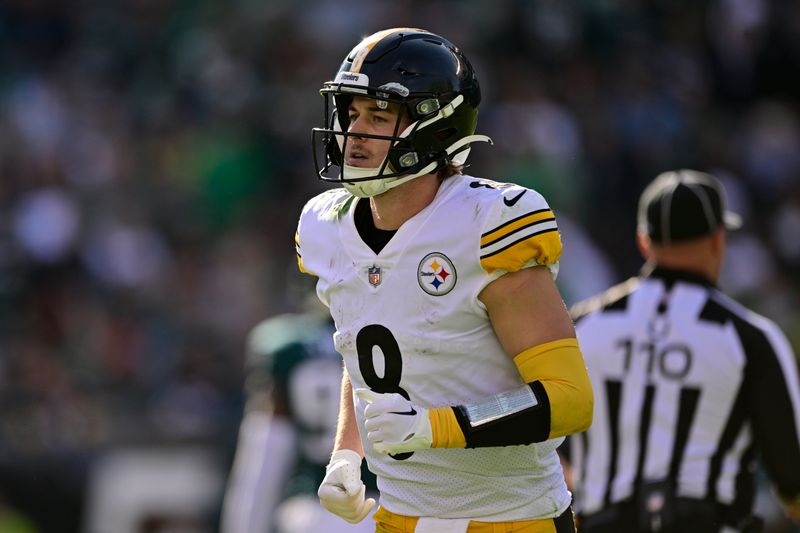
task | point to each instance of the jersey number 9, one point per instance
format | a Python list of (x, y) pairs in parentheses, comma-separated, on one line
[(367, 339)]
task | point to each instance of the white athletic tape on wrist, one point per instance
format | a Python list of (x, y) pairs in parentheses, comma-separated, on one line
[(500, 405)]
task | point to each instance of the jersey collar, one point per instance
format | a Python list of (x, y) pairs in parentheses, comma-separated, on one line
[(671, 276)]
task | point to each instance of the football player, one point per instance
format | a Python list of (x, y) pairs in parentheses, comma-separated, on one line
[(462, 371), (286, 435)]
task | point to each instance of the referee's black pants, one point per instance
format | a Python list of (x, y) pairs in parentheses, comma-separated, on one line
[(685, 516)]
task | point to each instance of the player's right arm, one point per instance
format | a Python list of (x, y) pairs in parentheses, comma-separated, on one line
[(342, 491), (347, 436)]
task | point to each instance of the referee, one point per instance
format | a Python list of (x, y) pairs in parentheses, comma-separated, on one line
[(690, 387)]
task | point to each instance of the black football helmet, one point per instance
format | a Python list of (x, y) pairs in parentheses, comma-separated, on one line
[(437, 89)]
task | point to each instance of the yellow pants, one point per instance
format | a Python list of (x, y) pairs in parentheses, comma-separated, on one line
[(388, 522)]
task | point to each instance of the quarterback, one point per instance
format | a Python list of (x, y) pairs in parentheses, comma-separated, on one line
[(462, 373)]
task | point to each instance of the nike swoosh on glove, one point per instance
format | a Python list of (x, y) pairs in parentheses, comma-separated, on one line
[(394, 424), (342, 491)]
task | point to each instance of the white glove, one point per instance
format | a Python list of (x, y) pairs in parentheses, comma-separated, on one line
[(394, 424), (342, 491)]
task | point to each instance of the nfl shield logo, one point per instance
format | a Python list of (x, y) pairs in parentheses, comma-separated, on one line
[(374, 273)]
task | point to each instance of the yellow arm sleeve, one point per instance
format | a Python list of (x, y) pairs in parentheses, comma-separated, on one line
[(559, 366), (554, 369), (446, 431)]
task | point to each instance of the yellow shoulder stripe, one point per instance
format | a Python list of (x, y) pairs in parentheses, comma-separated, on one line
[(299, 256), (300, 265), (544, 247), (515, 225)]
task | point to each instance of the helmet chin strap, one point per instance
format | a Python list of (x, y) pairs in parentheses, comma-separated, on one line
[(366, 189)]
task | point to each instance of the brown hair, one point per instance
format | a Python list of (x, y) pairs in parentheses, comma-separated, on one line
[(450, 169)]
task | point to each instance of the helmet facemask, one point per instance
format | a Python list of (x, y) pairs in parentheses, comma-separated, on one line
[(394, 164)]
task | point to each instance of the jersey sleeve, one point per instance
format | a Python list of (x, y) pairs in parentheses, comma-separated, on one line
[(317, 221), (519, 232), (772, 382), (299, 236), (298, 252)]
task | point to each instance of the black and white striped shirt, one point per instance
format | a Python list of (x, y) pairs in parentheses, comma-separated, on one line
[(689, 387)]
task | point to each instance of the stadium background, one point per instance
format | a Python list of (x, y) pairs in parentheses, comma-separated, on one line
[(154, 156)]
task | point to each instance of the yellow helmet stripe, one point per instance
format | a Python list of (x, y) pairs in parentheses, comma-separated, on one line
[(369, 43)]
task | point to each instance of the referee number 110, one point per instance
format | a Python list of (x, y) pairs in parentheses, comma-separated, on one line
[(672, 360)]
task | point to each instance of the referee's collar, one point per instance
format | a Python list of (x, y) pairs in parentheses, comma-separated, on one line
[(671, 276)]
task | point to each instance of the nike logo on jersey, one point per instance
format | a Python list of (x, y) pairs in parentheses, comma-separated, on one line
[(410, 412), (512, 201)]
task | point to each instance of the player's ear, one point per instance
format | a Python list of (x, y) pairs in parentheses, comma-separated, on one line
[(644, 244)]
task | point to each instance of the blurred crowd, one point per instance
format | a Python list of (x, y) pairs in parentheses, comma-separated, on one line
[(155, 155)]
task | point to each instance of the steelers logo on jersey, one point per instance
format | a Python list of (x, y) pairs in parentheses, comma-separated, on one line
[(436, 274)]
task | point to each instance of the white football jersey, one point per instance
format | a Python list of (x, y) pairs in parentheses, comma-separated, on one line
[(408, 320)]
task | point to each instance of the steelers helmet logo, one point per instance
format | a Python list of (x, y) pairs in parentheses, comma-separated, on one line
[(436, 274)]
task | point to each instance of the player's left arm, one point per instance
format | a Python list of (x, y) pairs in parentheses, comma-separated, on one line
[(531, 321), (533, 326)]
